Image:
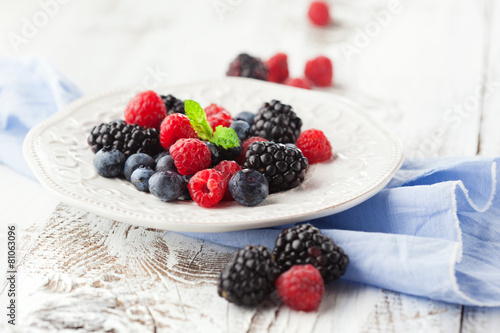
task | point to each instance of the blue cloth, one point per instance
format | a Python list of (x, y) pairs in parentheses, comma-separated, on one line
[(434, 231), (31, 89)]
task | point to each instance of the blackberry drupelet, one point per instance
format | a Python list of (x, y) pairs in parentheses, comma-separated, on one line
[(249, 277), (173, 104), (276, 122), (127, 138), (248, 66), (305, 244), (284, 167)]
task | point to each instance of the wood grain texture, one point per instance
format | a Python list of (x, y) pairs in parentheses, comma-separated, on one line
[(90, 273), (490, 134)]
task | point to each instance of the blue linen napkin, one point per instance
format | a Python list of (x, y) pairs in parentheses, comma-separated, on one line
[(434, 231), (31, 89)]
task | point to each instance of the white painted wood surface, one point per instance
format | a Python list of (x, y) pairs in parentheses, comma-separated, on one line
[(432, 74)]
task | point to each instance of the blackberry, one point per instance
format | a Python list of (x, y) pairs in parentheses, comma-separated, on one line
[(127, 138), (249, 277), (284, 167), (276, 122), (248, 66), (173, 104), (305, 244)]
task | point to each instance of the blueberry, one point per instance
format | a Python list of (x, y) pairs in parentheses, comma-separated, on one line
[(249, 187), (241, 128), (166, 185), (160, 155), (166, 163), (109, 162), (186, 195), (140, 178), (136, 160), (214, 151), (245, 116)]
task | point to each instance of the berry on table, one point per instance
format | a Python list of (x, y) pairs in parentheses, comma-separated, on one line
[(229, 153), (284, 167), (315, 146), (217, 116), (278, 68), (241, 159), (140, 178), (301, 288), (145, 109), (166, 185), (245, 116), (227, 169), (207, 187), (136, 160), (173, 104), (185, 195), (249, 276), (320, 71), (248, 66), (241, 128), (319, 13), (214, 153), (109, 162), (174, 127), (160, 155), (276, 122), (249, 187), (305, 244), (129, 139), (190, 156), (299, 83), (166, 163)]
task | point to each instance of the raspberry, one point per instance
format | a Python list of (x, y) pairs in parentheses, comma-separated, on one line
[(145, 109), (190, 156), (207, 187), (315, 146), (218, 116), (301, 287), (278, 68), (320, 71), (299, 83), (227, 169), (318, 13), (174, 127), (241, 159)]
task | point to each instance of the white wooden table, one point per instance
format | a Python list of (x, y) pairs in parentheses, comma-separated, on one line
[(430, 70)]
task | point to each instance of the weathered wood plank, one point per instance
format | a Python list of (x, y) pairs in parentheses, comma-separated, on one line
[(490, 134)]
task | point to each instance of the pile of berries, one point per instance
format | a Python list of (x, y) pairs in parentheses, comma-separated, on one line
[(176, 150), (317, 72), (302, 261)]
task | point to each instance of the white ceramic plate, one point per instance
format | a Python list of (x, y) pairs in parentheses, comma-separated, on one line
[(367, 158)]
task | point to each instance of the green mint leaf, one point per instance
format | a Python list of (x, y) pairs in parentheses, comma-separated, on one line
[(225, 137), (198, 119)]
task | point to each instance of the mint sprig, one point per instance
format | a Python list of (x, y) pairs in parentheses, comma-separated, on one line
[(198, 119), (225, 137)]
